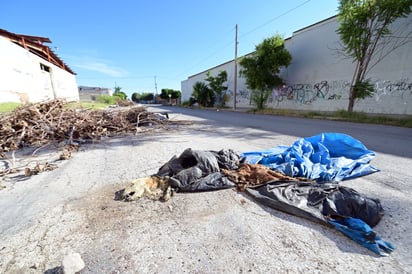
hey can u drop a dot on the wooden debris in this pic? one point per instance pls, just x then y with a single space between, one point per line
51 121
38 168
67 152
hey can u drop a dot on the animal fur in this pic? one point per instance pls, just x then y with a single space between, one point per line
253 175
152 187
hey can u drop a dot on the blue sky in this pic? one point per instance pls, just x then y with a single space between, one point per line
135 43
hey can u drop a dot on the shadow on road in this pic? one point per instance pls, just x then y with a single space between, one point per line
379 138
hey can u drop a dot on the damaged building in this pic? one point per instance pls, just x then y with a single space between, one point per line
32 72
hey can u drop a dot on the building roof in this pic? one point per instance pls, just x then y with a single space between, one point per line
35 44
316 24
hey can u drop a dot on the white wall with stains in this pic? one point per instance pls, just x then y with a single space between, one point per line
26 77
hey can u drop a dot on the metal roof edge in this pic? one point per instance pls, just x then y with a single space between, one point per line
35 45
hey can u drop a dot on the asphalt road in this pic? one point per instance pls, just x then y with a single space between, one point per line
72 208
379 138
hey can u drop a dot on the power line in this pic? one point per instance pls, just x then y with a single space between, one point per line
249 32
275 18
206 58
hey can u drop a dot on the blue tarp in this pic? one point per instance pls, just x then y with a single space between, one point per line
362 233
323 157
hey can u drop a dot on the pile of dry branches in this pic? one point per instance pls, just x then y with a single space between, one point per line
42 123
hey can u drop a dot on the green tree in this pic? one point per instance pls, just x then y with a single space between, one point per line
216 84
145 96
119 93
203 95
136 97
174 94
364 31
262 67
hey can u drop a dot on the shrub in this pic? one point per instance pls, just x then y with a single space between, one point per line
107 99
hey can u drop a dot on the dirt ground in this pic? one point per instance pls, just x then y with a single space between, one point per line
72 209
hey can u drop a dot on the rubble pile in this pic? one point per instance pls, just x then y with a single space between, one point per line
42 123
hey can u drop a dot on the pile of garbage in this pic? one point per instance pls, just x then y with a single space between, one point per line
52 121
302 180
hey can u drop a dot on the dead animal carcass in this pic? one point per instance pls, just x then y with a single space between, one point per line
152 187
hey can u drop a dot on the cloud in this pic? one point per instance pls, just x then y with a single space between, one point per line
102 68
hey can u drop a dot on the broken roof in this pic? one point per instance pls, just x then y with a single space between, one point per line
35 44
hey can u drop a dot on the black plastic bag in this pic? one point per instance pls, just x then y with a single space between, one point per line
318 202
197 170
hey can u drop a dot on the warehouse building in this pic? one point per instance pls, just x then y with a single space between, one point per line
319 76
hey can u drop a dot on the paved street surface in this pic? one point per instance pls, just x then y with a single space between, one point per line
72 208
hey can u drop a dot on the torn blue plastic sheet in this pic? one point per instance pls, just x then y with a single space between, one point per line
362 233
323 157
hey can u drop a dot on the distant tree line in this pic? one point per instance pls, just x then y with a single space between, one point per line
165 94
142 97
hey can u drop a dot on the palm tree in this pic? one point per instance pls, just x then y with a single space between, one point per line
203 94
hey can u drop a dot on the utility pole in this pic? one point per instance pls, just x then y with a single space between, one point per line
155 89
235 82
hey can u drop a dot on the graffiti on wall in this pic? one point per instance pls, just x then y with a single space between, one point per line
308 93
242 95
398 88
300 93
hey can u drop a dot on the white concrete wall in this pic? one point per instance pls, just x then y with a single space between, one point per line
319 78
23 80
229 67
